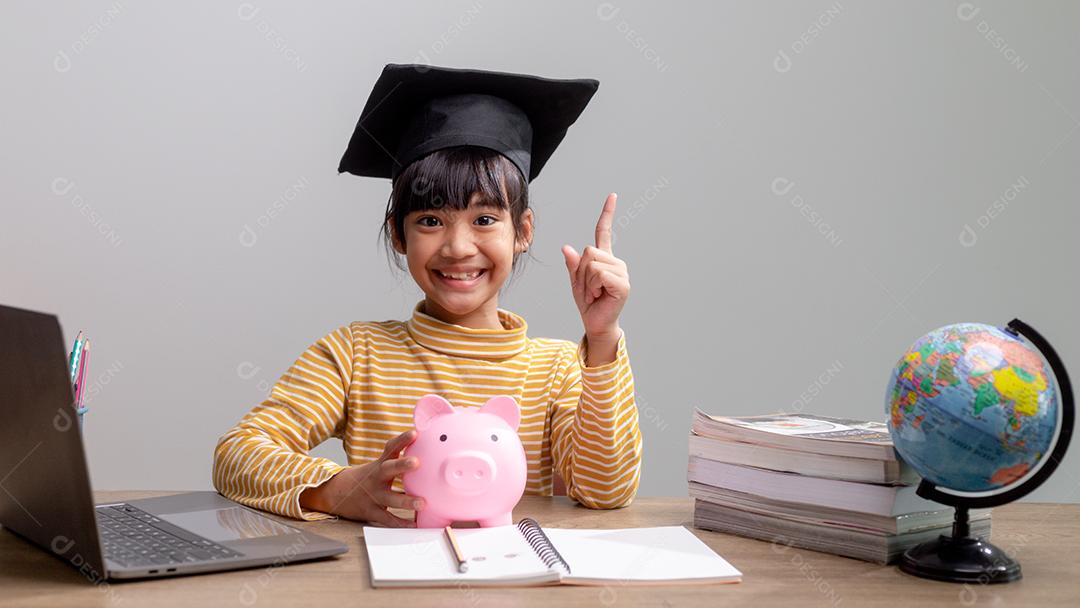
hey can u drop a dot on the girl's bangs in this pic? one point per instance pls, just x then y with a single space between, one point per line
447 179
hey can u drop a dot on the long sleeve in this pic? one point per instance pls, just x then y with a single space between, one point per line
596 441
263 461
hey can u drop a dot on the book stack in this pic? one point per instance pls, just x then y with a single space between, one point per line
814 482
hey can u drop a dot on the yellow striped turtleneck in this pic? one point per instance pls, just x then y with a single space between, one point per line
360 383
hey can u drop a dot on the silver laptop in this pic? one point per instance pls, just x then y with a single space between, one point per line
45 494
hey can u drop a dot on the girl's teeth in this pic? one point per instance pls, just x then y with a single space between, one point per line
461 277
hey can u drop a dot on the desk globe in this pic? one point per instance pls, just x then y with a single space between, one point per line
974 410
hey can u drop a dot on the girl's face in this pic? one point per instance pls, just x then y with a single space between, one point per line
461 258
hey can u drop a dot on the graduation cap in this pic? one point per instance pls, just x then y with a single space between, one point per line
417 109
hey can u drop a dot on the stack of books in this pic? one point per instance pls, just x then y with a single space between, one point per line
815 482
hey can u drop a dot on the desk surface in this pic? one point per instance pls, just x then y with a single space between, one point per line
1043 537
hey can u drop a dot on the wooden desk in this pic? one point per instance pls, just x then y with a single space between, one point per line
1044 537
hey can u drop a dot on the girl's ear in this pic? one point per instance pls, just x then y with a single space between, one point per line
395 239
526 232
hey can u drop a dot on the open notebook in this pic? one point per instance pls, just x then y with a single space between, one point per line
526 554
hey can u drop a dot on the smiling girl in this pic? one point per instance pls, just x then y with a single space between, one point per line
466 145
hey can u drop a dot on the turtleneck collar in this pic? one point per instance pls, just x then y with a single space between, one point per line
460 341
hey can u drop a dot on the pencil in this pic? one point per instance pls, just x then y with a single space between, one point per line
71 358
80 379
75 354
462 563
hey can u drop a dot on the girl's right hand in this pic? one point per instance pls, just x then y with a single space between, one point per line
363 492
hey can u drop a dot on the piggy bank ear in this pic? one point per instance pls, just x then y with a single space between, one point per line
504 407
429 407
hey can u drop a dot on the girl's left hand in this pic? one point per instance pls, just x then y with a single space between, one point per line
599 280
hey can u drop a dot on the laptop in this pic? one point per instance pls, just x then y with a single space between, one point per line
45 494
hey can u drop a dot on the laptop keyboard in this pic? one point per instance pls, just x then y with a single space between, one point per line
132 537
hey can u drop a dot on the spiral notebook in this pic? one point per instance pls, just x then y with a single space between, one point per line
526 554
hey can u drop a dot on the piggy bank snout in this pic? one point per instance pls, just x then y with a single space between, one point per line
469 472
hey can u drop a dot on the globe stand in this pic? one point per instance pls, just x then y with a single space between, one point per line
962 558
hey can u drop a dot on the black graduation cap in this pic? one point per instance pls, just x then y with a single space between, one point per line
417 109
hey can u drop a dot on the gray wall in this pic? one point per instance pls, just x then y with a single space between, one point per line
795 180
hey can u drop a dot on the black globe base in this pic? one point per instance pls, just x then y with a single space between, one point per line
960 560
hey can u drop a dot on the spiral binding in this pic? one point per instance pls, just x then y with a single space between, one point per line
541 544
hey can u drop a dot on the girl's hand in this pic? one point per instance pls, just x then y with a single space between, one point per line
599 281
362 492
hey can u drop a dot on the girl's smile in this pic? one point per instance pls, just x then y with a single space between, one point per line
460 279
463 279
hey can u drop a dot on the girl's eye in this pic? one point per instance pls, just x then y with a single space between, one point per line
491 219
424 221
442 437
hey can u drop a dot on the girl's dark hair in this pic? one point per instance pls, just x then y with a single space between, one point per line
448 179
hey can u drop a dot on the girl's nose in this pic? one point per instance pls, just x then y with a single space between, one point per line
459 243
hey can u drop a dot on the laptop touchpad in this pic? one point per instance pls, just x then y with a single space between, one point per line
234 523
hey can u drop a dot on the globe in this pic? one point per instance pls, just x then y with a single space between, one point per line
974 410
971 407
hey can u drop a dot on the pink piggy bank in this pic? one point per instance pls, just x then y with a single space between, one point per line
472 463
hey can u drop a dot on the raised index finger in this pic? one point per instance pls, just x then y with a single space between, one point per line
603 225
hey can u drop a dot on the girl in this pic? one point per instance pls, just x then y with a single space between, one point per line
459 214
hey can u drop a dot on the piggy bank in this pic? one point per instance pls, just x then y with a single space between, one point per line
472 463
